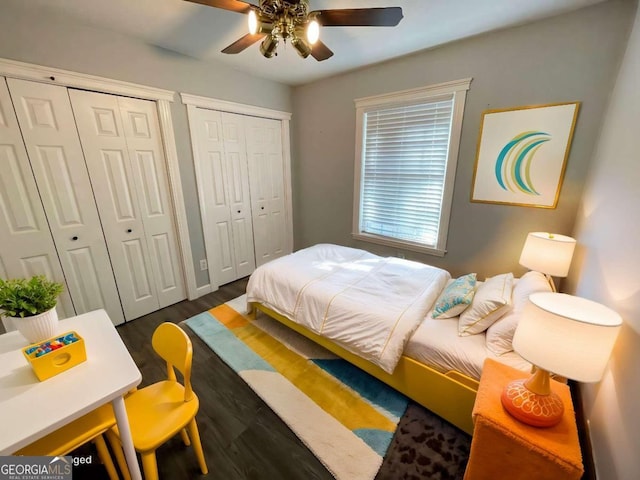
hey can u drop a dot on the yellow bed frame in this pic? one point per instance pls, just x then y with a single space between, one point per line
450 395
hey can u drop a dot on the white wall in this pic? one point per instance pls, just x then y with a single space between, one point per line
607 269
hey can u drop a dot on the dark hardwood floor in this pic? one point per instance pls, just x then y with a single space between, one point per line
242 438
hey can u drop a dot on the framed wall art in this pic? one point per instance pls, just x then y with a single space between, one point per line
522 154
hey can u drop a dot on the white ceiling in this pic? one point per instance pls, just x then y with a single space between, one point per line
201 32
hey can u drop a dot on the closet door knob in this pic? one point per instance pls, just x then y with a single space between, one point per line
74 238
129 230
239 211
261 208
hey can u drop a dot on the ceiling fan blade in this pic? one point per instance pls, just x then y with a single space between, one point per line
360 17
243 42
232 5
320 51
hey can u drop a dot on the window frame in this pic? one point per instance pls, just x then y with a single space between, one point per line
456 90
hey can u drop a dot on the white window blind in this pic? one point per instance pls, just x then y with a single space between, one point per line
404 163
406 155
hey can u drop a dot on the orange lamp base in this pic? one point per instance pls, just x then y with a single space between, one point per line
538 410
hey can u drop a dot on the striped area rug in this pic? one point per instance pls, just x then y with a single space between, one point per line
346 417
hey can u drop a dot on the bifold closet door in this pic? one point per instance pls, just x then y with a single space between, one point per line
26 245
266 174
223 187
123 151
49 132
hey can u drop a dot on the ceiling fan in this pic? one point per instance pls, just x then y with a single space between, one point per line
273 21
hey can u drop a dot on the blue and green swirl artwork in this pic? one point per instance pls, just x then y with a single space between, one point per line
513 165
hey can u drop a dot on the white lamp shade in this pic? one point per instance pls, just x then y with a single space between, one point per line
548 253
567 335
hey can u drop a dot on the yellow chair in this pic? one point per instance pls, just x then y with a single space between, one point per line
89 427
160 411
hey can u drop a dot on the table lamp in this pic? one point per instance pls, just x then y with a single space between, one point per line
564 334
548 253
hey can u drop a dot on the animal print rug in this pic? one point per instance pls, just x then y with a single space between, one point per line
425 447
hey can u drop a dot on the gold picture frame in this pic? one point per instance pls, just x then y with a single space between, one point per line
522 154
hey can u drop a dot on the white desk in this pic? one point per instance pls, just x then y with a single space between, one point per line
30 409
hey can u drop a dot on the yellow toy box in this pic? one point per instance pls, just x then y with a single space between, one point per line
55 355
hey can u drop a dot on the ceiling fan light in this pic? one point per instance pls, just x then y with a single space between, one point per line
268 46
302 47
313 31
252 22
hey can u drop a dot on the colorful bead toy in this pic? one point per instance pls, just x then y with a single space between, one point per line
50 345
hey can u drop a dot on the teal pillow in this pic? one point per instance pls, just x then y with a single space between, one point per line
456 297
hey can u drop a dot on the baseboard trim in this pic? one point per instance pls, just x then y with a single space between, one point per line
203 290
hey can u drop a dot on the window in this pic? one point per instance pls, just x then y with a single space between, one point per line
406 154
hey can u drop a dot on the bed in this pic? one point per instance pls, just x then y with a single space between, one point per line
376 312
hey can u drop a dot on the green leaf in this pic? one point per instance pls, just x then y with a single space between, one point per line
24 298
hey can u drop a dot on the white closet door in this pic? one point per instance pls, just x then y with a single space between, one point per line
144 143
223 187
49 131
266 173
238 189
27 247
122 145
107 159
214 203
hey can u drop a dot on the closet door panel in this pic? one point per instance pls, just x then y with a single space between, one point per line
134 254
239 195
107 160
245 256
124 231
163 248
82 270
48 128
240 218
144 144
212 187
223 187
225 258
27 247
266 174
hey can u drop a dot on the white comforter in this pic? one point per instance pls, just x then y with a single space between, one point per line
367 304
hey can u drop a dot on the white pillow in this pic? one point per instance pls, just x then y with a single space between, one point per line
491 301
500 334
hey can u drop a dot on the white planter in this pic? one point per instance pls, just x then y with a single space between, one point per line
38 327
7 323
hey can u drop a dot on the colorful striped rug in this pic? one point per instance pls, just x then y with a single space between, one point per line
346 417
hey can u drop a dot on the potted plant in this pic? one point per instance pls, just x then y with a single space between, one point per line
31 305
